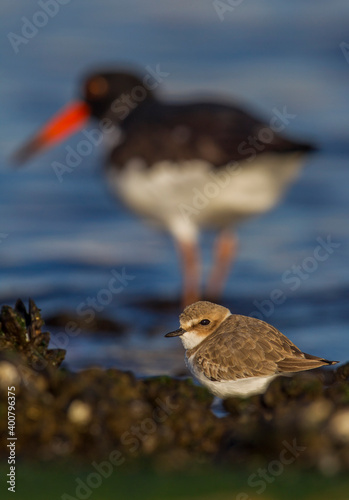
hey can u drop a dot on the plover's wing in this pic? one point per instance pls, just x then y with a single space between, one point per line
211 132
244 347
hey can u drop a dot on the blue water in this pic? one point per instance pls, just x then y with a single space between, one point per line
60 241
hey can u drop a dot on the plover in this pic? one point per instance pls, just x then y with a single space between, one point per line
235 355
183 166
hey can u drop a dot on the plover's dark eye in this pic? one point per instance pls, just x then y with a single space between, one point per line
205 322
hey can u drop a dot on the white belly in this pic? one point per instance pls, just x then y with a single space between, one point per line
242 388
184 196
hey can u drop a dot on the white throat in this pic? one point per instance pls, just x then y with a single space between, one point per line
191 339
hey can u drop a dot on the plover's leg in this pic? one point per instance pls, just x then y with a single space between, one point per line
190 260
224 253
217 408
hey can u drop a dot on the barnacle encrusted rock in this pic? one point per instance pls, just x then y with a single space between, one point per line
20 331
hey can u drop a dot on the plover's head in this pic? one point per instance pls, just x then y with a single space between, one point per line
198 321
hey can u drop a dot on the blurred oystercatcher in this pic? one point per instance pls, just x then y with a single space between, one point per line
184 166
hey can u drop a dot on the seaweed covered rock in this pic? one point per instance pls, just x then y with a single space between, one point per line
91 413
94 413
20 331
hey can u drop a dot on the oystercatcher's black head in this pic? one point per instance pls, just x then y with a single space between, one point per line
114 93
104 94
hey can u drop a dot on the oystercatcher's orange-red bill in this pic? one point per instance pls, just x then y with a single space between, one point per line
67 121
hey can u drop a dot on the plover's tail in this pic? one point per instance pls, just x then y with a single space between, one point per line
322 360
298 364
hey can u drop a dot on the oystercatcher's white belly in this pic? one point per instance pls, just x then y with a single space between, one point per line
190 194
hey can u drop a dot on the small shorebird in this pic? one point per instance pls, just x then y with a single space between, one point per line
235 355
183 166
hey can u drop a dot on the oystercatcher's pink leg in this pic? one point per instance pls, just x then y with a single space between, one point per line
224 253
191 265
